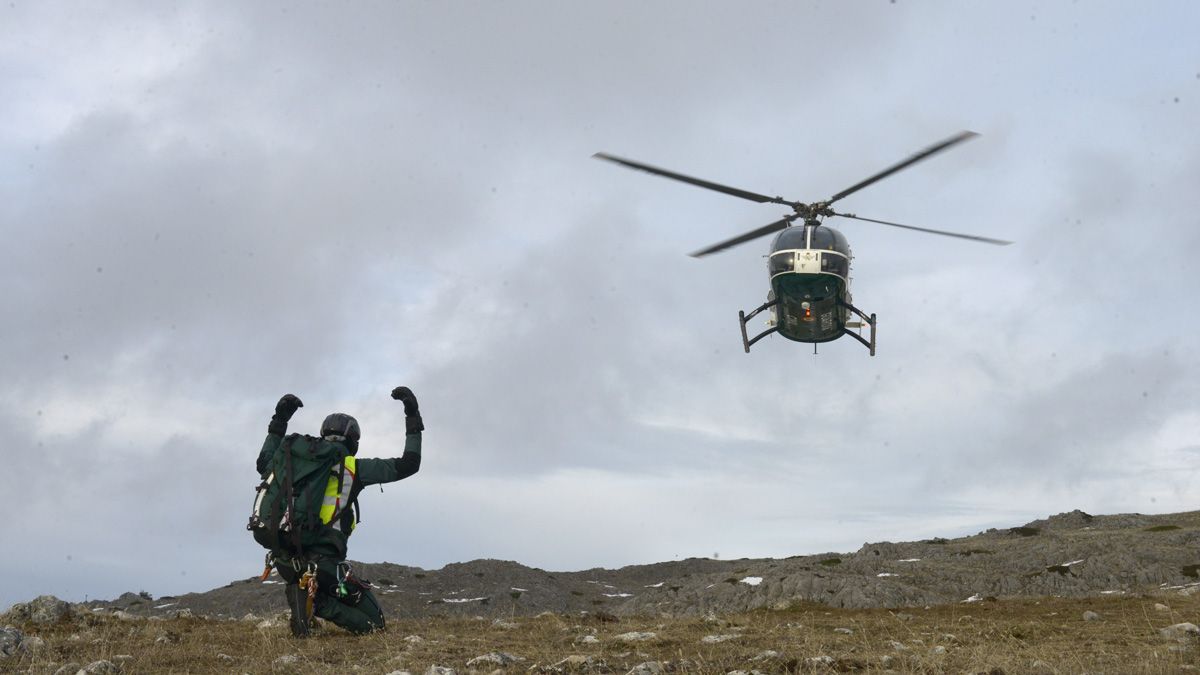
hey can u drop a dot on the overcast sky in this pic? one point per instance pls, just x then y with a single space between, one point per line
207 205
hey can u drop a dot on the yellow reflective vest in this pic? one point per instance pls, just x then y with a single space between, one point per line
337 495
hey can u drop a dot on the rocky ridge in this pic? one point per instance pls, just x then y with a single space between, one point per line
1070 555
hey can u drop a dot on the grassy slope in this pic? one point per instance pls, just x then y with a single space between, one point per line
1009 635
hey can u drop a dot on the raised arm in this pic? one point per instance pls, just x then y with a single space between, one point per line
287 406
371 471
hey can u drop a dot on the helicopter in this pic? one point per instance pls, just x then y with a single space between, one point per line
809 266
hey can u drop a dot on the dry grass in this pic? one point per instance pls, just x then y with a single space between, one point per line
1009 636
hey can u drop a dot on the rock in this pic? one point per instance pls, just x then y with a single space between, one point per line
123 657
579 661
1091 616
938 650
268 623
399 672
1159 607
589 640
493 658
897 646
766 655
440 670
101 668
42 610
647 668
504 625
286 660
250 617
32 644
843 631
903 616
636 636
68 669
225 658
129 599
10 641
819 661
714 639
1181 631
49 609
414 639
125 616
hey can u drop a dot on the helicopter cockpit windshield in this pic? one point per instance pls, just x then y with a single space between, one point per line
823 250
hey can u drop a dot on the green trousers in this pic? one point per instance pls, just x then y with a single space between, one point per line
341 597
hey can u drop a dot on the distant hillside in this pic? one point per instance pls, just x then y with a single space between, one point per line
1070 555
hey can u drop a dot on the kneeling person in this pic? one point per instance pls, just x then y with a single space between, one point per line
307 507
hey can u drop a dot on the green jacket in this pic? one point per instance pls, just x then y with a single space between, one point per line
370 471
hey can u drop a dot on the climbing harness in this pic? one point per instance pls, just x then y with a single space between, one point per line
308 581
267 566
348 585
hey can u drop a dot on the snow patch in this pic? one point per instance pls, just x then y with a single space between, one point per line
752 581
887 574
974 598
617 595
461 600
169 604
658 585
519 590
1073 562
910 560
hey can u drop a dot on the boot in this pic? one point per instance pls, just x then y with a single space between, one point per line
297 599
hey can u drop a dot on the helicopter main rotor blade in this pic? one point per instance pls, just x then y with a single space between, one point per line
927 152
972 237
736 192
743 238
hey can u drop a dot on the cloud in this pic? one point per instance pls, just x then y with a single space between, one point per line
206 207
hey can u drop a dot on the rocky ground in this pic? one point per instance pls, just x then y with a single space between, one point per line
1069 555
1111 634
1071 593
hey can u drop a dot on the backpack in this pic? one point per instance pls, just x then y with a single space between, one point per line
300 503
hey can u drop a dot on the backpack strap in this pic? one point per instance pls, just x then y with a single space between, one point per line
289 495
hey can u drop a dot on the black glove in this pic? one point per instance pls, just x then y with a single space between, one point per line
412 422
405 396
283 412
287 406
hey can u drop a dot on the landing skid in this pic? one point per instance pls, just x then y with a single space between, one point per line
744 317
869 320
747 341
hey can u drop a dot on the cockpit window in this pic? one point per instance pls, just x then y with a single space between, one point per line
829 239
784 261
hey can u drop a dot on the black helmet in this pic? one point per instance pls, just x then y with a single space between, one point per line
342 427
